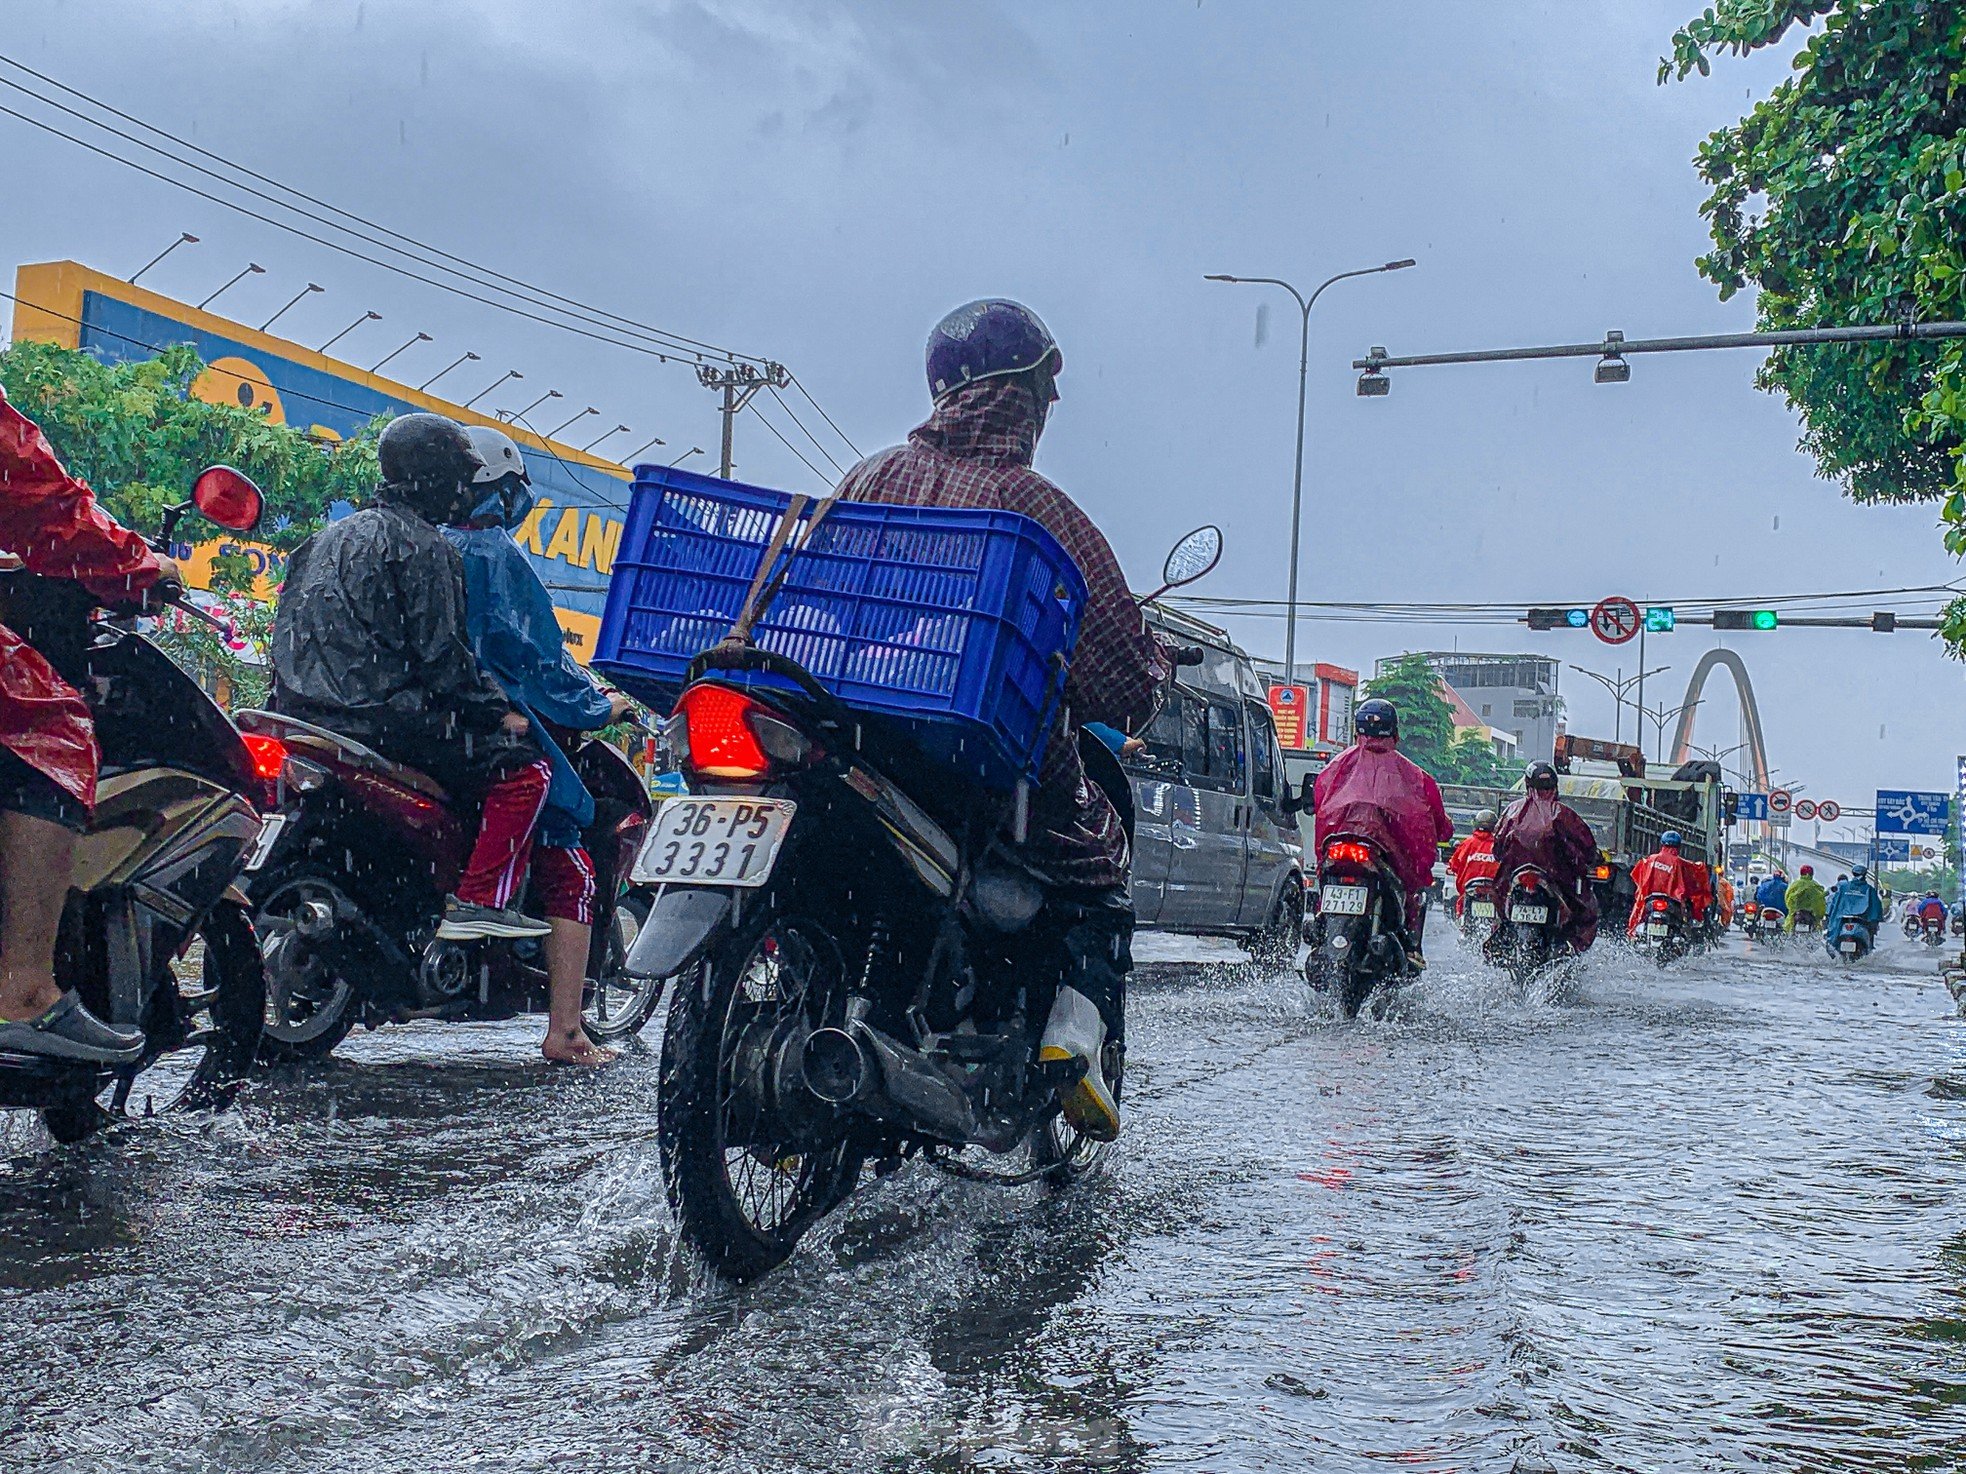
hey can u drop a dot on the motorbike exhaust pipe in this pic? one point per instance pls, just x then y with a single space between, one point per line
836 1067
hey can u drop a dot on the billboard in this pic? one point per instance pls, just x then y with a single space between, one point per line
571 536
1288 705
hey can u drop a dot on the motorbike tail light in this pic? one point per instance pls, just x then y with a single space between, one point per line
729 735
1348 852
269 755
1531 882
1658 903
1603 872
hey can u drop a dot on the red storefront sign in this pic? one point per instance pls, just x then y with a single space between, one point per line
1290 707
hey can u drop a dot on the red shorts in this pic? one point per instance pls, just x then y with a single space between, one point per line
563 882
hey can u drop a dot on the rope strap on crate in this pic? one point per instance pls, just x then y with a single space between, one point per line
758 598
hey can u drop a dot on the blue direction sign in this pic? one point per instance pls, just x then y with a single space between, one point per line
1893 849
1902 811
1751 806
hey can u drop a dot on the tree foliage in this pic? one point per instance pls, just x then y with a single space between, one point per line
1841 198
132 431
1426 727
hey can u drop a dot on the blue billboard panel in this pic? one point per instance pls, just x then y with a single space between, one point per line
1906 811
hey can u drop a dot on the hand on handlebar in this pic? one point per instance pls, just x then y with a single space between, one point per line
620 709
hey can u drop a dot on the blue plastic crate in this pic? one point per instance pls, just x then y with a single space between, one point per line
956 623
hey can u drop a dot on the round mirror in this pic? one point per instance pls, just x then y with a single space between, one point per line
227 497
1193 556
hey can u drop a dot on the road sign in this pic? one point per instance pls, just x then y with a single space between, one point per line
1805 809
1751 807
1829 811
1288 707
1615 620
1893 847
1905 811
1659 618
1780 802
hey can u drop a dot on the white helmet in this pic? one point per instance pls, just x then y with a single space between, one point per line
498 452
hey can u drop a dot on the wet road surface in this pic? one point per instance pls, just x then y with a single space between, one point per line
1712 1218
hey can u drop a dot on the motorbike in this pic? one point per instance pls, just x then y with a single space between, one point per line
1478 907
154 935
1765 925
1528 936
1665 929
348 891
1913 926
1852 940
1932 931
1357 934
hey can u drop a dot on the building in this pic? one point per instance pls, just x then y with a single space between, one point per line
1515 696
571 535
1503 744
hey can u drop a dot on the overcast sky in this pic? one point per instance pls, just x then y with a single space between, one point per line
820 181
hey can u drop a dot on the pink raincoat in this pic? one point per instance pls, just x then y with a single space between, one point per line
1541 830
1373 792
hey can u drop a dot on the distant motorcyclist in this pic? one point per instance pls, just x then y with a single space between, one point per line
1373 791
992 372
516 636
1723 900
1805 898
370 641
1932 908
51 527
1666 872
1855 899
1773 893
1541 830
1473 858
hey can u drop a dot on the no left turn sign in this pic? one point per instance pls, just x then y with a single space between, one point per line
1615 620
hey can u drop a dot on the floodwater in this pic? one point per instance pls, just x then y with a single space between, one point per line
1710 1218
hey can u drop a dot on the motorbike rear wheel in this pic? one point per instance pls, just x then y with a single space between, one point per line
1060 1147
744 1189
309 1008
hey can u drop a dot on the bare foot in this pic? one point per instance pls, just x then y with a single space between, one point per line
576 1048
26 994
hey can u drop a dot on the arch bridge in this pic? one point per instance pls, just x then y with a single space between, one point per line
1757 746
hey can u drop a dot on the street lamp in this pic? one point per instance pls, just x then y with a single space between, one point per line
589 446
304 291
365 317
185 239
508 374
629 459
419 338
590 410
252 268
518 416
1304 306
467 358
1617 688
694 450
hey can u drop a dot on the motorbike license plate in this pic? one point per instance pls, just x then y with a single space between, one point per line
1533 915
1342 900
714 841
1482 910
269 835
1850 948
1657 929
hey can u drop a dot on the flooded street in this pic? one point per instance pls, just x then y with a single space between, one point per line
1711 1218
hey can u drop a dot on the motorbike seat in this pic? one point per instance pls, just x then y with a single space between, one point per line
334 747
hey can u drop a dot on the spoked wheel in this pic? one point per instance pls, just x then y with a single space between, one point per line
309 1007
1066 1153
744 1180
615 1005
201 1032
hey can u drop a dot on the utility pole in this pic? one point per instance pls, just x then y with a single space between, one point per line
739 382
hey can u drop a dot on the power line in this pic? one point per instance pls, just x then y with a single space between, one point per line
838 469
858 453
681 345
752 405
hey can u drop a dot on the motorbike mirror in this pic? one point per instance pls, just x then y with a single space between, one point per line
228 497
1192 557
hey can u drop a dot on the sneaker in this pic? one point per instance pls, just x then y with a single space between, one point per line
1076 1033
465 922
68 1031
1415 961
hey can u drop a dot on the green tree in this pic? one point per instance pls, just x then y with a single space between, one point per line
1426 721
1841 198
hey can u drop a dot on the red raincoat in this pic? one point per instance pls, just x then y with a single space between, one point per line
1539 829
50 522
1473 859
1668 873
1372 791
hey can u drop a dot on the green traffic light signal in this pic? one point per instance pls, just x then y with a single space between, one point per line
1765 619
1746 619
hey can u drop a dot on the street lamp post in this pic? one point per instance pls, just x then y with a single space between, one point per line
1617 688
589 446
1304 306
419 338
305 291
518 416
185 238
502 378
583 414
365 317
467 358
251 268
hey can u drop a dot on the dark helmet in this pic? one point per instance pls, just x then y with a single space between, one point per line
1808 869
1486 820
429 460
985 340
1669 840
1540 777
1857 872
1376 718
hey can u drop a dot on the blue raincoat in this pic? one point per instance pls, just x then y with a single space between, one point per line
1854 898
512 628
1773 893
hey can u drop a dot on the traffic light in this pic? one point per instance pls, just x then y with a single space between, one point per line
1659 618
1559 619
1746 619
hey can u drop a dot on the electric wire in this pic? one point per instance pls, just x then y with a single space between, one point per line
752 405
838 469
857 451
